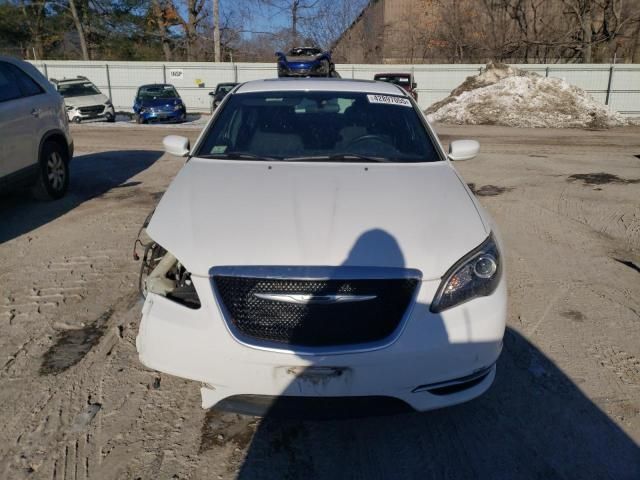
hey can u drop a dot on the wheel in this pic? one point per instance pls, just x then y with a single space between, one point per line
111 118
139 119
53 179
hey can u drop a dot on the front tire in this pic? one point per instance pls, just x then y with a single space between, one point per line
53 178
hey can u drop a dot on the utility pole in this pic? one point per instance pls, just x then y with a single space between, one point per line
216 30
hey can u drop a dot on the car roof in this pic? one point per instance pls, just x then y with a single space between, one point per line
10 59
393 74
32 71
77 79
320 85
156 85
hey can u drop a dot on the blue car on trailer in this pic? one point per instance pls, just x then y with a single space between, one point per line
305 62
159 102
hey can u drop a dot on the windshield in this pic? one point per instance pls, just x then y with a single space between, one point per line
224 88
304 52
329 126
157 91
402 81
77 89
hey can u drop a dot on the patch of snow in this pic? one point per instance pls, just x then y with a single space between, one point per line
503 95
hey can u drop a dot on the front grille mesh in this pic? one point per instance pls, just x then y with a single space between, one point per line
92 110
315 325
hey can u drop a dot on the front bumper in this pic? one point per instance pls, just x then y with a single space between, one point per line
164 116
432 350
108 112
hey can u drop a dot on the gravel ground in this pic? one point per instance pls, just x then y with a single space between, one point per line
77 404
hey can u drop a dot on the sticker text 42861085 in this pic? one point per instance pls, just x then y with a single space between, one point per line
389 100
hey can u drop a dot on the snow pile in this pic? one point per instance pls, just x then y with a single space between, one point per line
503 95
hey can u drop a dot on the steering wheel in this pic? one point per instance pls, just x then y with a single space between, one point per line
365 138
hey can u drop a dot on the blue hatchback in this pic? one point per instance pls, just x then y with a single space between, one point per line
159 102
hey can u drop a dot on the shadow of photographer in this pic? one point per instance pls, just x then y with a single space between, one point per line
534 422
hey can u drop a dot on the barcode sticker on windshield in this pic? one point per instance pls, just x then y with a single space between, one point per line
389 100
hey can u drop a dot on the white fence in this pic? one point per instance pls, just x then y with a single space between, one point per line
615 85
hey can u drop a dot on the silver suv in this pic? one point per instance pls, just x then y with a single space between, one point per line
84 100
35 144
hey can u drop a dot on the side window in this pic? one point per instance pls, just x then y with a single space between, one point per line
27 85
9 89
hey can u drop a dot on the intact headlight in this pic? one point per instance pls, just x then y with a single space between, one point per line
177 107
477 274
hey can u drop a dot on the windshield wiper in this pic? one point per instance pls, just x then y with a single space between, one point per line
239 156
338 157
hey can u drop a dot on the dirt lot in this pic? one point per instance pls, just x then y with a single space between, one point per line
77 404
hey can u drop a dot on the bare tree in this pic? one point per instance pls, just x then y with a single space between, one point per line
296 10
195 16
162 14
33 13
329 20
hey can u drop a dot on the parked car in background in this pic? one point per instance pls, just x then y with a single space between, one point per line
159 102
404 80
84 100
220 92
318 244
35 144
305 62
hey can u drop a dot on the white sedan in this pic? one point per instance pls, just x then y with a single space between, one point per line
319 244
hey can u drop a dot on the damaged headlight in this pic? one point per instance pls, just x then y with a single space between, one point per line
163 274
477 274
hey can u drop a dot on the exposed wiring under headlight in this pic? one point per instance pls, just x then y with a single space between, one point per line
163 274
477 274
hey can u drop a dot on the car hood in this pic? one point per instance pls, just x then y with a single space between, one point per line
160 102
85 100
229 213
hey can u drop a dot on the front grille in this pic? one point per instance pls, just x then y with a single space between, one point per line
162 109
315 324
92 110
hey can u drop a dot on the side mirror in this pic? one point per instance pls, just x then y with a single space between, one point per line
176 145
414 85
463 150
212 93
